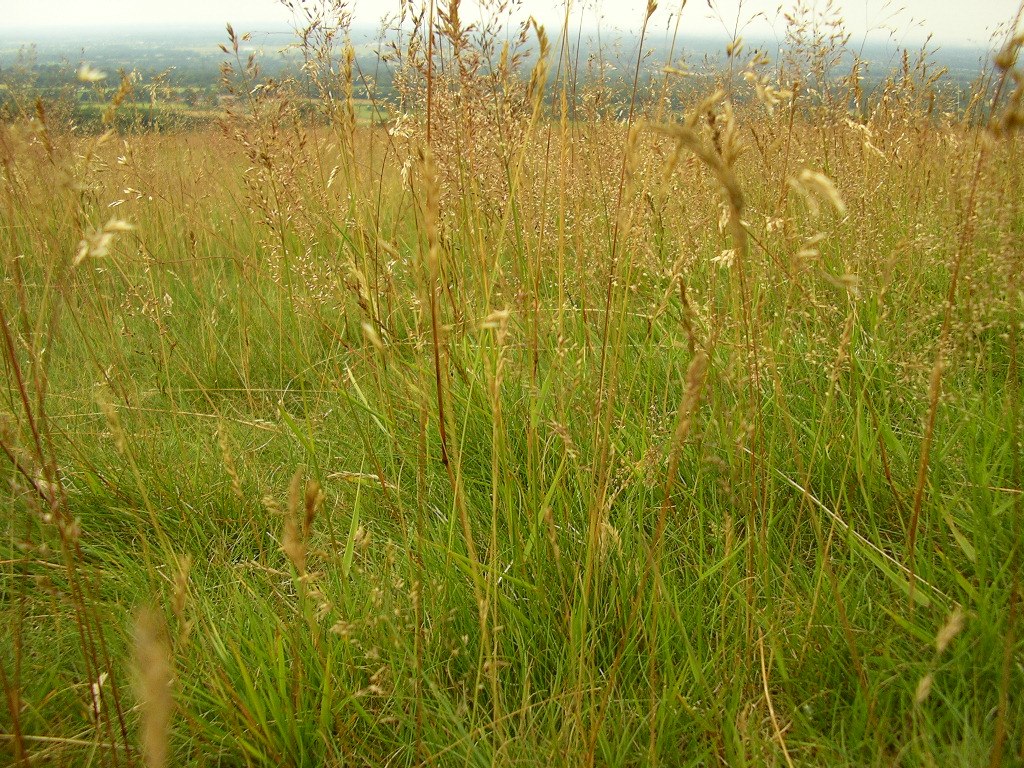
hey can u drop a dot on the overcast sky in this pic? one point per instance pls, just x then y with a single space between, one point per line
951 21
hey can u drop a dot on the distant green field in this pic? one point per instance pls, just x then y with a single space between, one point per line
177 114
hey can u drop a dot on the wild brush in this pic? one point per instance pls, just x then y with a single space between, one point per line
645 413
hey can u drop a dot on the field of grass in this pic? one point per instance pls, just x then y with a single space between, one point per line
527 430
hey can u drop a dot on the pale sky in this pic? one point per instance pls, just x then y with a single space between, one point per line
951 21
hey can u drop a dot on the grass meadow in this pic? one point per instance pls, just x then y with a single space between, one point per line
561 420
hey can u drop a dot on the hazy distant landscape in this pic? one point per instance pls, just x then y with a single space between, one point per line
177 70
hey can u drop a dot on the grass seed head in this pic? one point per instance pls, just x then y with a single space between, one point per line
89 74
109 410
953 626
153 680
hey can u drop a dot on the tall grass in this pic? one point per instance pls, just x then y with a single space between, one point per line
552 422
